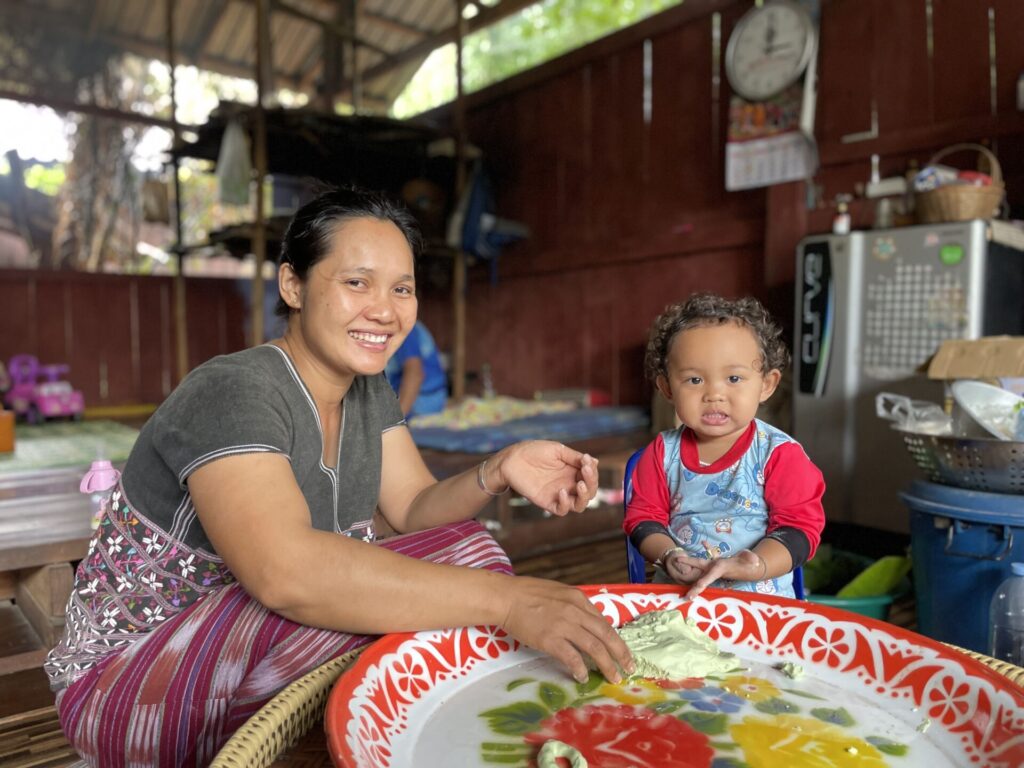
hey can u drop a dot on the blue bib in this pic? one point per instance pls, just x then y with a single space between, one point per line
717 514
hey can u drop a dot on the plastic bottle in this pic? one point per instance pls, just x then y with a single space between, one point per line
841 222
97 482
1006 619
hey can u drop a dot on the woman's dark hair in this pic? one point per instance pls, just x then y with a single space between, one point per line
311 231
705 309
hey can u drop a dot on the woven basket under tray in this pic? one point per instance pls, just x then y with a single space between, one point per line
283 720
995 466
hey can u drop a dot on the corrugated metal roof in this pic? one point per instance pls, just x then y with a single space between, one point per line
394 36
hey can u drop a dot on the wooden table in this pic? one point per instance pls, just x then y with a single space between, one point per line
45 525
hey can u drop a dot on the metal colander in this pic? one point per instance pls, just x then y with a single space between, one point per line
978 464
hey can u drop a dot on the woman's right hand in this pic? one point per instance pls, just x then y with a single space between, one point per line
560 621
550 475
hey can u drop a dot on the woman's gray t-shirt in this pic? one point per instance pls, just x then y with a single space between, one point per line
250 402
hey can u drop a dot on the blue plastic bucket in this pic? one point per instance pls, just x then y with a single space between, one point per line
962 543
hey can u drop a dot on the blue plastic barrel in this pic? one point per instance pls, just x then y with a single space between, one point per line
962 543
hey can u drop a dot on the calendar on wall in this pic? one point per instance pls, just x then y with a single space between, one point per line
770 62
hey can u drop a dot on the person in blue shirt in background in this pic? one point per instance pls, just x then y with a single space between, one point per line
416 375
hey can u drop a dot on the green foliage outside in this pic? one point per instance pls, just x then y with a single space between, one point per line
45 179
537 34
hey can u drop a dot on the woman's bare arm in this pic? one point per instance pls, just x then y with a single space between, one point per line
551 475
258 521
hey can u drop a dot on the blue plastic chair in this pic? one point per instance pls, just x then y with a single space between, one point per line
635 561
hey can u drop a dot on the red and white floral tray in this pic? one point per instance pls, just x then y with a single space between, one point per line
871 695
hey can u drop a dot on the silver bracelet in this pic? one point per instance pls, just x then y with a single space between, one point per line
660 562
480 481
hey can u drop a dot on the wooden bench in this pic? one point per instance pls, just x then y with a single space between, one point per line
34 740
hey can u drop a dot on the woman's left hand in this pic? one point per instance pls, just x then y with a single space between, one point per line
548 474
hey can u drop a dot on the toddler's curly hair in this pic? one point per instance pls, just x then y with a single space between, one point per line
706 309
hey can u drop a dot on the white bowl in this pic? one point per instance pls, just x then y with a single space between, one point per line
995 409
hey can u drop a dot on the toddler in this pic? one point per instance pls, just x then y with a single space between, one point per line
725 499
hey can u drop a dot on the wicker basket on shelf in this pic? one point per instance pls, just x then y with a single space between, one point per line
960 202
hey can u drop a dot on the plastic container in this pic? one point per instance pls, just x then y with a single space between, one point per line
97 482
1006 619
841 222
873 607
830 570
6 431
962 543
985 410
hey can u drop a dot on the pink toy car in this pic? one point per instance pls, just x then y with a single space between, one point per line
40 400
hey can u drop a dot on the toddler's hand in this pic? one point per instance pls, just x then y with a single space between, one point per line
684 569
745 565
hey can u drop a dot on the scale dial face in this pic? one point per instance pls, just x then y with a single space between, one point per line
769 49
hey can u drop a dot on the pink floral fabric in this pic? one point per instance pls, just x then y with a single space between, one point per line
133 579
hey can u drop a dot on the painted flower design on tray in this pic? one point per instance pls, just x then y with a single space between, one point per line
616 734
738 721
813 688
644 692
804 741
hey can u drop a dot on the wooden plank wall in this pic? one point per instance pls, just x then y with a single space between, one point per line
628 214
116 331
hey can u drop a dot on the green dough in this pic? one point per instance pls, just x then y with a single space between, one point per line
791 670
665 646
554 749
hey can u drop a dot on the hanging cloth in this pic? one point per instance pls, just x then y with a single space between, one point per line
234 167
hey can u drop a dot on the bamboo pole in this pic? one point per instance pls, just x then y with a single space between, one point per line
353 46
259 231
459 260
180 307
67 105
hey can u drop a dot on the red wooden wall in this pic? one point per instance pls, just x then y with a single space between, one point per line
627 215
116 331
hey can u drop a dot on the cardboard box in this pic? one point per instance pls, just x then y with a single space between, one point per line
997 360
993 357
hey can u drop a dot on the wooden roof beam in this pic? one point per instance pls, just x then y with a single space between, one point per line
485 18
281 6
94 24
392 24
153 50
63 25
313 66
208 25
377 19
65 105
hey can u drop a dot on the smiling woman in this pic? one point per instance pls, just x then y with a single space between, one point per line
355 293
238 553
